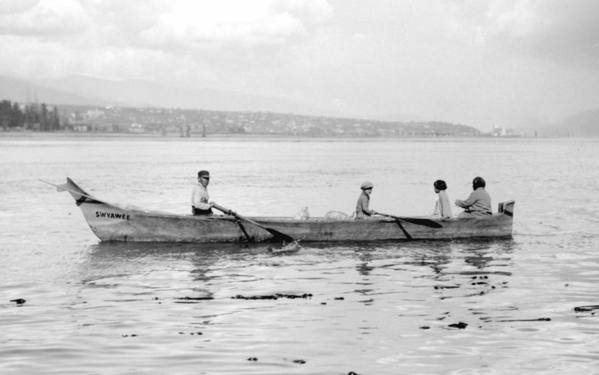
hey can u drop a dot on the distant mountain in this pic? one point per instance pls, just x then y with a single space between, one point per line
82 90
17 90
582 124
585 124
139 93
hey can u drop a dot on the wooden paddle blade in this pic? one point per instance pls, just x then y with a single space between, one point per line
424 222
276 234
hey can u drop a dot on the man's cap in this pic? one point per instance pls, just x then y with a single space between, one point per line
204 174
366 185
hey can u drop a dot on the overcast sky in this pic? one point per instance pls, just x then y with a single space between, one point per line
474 62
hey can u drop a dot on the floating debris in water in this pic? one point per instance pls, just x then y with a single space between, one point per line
339 298
300 361
254 359
424 327
460 325
18 301
586 308
239 296
194 298
274 296
526 320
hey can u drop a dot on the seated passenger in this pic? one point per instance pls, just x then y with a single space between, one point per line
478 203
442 205
362 210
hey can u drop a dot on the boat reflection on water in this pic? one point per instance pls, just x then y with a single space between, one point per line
441 266
241 296
107 259
439 269
442 257
438 255
133 250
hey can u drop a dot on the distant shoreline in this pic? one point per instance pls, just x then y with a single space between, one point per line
93 136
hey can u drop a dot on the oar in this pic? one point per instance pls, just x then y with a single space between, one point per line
274 232
424 222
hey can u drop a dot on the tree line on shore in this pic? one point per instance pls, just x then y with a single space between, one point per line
30 116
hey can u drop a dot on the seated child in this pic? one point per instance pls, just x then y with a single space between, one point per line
442 206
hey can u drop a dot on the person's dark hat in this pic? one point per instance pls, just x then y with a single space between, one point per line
204 174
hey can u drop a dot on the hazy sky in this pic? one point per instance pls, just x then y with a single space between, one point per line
475 62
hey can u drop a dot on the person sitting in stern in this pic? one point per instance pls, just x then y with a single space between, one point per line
362 210
442 206
200 200
478 203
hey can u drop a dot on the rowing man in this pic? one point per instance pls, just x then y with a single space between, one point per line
200 200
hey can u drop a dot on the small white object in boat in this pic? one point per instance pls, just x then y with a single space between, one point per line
336 215
303 214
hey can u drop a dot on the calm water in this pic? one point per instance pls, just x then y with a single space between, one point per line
376 308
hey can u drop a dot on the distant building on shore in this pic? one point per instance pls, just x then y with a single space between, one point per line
502 132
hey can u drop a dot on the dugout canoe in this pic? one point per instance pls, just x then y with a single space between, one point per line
112 222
